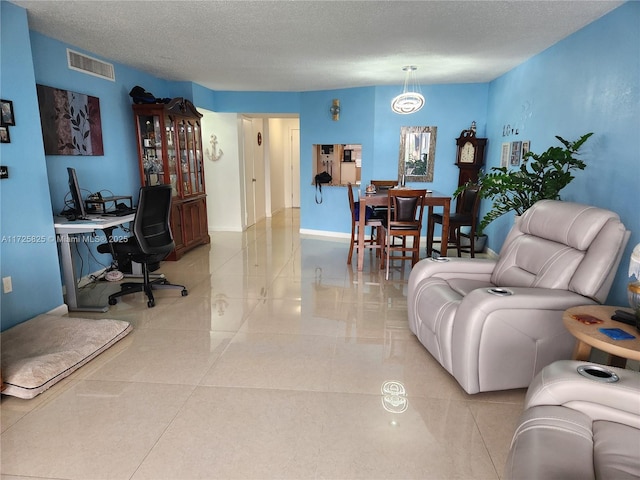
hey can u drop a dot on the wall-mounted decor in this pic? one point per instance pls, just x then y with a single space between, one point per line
417 153
70 122
4 135
516 154
216 152
6 108
504 158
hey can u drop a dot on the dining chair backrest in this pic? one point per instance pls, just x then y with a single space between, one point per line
384 184
469 201
352 203
406 205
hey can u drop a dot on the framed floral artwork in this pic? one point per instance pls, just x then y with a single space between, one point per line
70 122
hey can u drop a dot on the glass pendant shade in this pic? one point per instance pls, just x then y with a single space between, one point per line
410 100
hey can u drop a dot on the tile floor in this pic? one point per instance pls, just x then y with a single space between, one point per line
271 368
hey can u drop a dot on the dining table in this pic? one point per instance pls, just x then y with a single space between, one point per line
431 200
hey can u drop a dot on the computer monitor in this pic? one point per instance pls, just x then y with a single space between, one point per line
76 194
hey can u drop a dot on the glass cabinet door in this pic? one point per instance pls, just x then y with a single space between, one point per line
184 157
152 158
172 166
199 167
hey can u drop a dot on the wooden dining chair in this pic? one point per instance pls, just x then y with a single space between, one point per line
376 222
382 184
466 215
404 221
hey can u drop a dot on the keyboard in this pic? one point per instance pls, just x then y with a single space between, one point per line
120 212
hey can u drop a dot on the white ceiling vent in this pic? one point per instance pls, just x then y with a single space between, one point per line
92 66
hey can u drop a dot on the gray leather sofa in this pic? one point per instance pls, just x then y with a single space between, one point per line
558 255
578 427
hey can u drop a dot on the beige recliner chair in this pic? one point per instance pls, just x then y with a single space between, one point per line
578 426
493 324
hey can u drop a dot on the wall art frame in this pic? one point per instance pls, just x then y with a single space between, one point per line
417 153
6 109
70 122
4 134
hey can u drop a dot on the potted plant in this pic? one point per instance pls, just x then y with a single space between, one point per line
540 176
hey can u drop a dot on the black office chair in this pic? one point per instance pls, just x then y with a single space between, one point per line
151 242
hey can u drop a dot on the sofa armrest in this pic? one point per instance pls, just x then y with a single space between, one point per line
452 267
551 442
561 384
525 326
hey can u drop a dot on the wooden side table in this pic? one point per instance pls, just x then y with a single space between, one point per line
588 336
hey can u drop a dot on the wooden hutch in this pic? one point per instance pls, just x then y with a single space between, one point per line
170 152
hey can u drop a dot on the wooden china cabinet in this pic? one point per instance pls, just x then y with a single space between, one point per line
170 152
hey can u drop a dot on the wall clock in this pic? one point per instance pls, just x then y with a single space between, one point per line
470 155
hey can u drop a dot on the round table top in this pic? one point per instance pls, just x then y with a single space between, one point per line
590 334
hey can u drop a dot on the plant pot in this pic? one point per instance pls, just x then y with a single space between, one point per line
479 245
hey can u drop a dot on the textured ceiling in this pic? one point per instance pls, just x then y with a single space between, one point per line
313 45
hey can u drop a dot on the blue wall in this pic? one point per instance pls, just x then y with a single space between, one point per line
28 252
587 82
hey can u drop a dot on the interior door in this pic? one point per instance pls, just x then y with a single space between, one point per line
260 193
295 168
249 178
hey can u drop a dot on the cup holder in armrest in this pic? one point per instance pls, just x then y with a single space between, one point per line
439 259
501 292
598 373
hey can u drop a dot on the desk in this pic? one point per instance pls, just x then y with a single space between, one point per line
588 336
433 199
64 229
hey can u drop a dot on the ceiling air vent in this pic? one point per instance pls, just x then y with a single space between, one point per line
90 65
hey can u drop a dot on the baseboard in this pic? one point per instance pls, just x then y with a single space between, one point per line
59 311
325 234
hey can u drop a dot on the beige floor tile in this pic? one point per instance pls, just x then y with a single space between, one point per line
287 316
179 357
240 433
431 439
94 430
296 362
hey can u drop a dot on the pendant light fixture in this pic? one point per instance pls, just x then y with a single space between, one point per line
410 100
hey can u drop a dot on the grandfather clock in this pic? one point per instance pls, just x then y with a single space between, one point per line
470 156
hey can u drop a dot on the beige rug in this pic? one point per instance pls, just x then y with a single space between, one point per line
40 352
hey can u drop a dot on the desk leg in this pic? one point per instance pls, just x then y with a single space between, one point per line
445 227
69 276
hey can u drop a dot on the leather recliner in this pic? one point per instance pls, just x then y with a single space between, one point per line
577 427
556 256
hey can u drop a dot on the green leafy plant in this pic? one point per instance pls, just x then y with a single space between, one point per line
540 176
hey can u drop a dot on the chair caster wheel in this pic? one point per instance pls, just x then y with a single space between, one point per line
184 292
151 303
113 301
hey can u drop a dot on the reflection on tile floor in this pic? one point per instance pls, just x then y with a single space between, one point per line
271 368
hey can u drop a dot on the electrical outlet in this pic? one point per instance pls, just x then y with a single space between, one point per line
6 285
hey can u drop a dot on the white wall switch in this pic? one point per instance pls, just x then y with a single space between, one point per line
6 285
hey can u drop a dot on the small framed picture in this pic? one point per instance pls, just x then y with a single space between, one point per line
6 110
504 158
4 134
516 154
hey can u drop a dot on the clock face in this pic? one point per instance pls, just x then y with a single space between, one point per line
467 154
